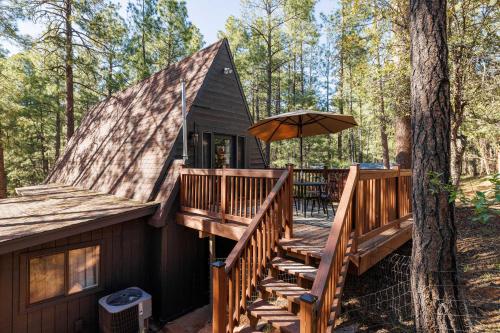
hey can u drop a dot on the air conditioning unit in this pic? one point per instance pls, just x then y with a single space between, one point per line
125 311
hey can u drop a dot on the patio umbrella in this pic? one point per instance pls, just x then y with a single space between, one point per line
299 124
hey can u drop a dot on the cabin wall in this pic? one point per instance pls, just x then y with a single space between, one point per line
181 269
220 108
124 254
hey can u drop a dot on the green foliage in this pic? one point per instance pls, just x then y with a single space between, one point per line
485 203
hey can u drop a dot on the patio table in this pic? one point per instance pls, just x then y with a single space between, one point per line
302 191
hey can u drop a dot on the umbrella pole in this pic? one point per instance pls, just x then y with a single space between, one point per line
301 156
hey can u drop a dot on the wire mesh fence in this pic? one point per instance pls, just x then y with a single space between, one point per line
380 300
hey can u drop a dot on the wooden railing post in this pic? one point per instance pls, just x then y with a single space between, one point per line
289 203
223 196
398 193
356 212
308 313
219 301
182 191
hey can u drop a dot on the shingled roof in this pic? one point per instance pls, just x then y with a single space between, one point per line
123 143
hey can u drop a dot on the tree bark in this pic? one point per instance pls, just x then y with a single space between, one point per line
70 116
57 143
434 275
381 116
269 76
403 141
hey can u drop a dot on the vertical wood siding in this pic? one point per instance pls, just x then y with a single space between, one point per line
124 264
220 107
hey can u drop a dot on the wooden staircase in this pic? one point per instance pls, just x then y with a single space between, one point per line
283 312
292 284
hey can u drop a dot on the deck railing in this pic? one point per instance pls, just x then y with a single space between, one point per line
312 175
235 280
226 194
383 200
372 201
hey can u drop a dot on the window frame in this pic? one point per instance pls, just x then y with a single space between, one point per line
24 278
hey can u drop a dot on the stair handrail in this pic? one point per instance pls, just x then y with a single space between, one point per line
255 247
316 305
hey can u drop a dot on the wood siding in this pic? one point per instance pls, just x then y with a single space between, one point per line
181 269
125 249
220 107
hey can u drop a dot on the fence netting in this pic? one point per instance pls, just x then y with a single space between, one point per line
380 300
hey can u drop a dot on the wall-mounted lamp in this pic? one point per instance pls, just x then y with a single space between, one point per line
194 138
228 70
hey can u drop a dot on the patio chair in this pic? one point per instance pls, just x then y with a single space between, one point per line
330 193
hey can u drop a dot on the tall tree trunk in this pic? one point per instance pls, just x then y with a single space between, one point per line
278 94
403 141
70 116
341 76
302 77
269 77
110 74
58 124
434 273
143 43
381 116
57 141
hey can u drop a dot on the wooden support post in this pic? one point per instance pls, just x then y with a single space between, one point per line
223 196
398 194
182 190
289 203
219 301
356 210
307 313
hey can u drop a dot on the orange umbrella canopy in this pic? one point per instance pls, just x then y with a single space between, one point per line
301 123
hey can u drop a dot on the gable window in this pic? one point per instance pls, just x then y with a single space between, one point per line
62 273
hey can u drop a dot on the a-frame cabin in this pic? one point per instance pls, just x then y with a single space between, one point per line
115 188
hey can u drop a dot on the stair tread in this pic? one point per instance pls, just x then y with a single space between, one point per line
297 246
280 318
290 291
295 268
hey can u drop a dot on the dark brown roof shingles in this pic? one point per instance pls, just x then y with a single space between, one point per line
123 142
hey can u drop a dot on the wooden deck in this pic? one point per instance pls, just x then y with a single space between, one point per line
310 235
256 208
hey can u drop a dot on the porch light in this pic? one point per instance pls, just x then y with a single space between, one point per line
194 138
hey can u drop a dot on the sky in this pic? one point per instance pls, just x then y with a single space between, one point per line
208 15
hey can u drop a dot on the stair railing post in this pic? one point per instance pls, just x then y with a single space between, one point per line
223 195
308 313
219 301
356 213
289 203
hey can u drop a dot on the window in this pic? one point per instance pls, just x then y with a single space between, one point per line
224 149
62 273
83 269
46 277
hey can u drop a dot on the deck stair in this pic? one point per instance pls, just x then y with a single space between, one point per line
288 275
